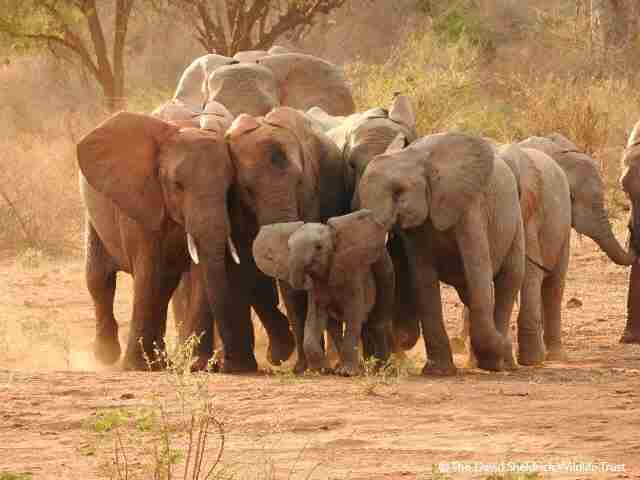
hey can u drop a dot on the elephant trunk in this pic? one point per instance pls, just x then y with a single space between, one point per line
299 261
603 235
207 242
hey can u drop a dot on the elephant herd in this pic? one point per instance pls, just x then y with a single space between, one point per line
259 181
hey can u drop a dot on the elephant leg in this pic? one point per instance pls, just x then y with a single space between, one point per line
264 300
100 273
236 331
152 290
349 357
507 285
296 303
379 324
487 342
315 326
530 344
552 293
405 323
631 332
429 309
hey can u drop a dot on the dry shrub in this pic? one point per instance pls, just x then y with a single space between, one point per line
442 80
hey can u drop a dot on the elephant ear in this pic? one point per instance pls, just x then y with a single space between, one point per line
305 81
401 111
119 158
359 241
528 176
459 167
215 117
271 249
243 123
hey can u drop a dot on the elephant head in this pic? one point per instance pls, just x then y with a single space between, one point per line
161 175
279 160
192 86
305 81
588 212
370 133
244 88
436 178
303 254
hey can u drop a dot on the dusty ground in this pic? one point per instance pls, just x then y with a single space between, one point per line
278 426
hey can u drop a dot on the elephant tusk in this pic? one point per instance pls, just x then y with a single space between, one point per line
193 250
232 249
386 239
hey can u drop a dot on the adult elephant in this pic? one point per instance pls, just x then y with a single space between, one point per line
546 214
630 181
588 212
455 204
286 172
154 192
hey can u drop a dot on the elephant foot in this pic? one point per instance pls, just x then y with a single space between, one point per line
406 340
530 358
107 350
348 370
280 348
246 365
432 369
556 354
300 367
203 363
490 361
630 337
139 363
531 350
458 345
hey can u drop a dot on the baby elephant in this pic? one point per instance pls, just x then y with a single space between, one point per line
342 265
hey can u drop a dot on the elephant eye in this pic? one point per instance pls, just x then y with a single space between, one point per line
179 186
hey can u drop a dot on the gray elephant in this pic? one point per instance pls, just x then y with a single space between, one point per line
588 213
286 172
546 214
292 79
155 195
455 204
334 263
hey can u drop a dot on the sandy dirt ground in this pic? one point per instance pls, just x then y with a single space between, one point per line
585 412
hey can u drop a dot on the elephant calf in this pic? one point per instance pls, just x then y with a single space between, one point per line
334 263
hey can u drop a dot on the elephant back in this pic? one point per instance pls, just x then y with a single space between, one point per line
306 81
244 88
250 56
